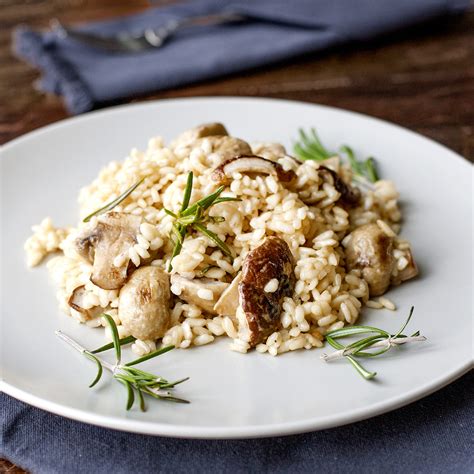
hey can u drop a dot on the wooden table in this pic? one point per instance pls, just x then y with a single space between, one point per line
422 79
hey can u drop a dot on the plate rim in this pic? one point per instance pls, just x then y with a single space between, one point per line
247 431
118 108
244 432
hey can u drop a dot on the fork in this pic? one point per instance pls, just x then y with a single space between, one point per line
149 38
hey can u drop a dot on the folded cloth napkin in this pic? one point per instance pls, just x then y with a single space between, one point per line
434 435
276 30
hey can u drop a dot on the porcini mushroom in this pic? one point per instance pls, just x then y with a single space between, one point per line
350 196
104 238
144 303
251 164
371 250
259 311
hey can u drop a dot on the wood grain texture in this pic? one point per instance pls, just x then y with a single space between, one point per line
422 78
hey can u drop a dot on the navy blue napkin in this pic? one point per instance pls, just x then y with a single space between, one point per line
278 29
434 435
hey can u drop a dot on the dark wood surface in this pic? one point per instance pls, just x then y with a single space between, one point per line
422 78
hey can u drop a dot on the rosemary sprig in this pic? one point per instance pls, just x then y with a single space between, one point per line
309 147
364 169
376 338
110 345
136 381
194 217
108 207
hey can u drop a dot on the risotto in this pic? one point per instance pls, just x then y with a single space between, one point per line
288 251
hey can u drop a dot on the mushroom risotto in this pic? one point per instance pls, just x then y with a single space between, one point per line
219 237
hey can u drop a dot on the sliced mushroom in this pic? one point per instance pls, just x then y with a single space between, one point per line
144 303
201 131
251 164
371 251
76 302
259 312
202 292
228 302
350 196
105 238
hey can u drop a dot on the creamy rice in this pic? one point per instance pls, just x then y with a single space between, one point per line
307 216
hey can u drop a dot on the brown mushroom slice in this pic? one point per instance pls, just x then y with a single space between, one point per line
350 196
144 303
371 251
110 235
201 131
76 302
228 302
259 312
202 292
251 164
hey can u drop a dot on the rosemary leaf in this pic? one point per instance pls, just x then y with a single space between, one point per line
203 203
144 375
371 170
177 232
226 199
130 395
110 345
187 192
177 246
405 324
115 336
99 367
114 203
222 246
172 214
151 355
355 165
141 400
173 384
362 371
304 155
365 373
164 397
354 330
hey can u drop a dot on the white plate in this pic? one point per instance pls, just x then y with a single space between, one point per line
236 395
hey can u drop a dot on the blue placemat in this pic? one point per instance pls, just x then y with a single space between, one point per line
276 30
433 435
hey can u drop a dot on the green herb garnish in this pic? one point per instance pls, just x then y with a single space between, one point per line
377 338
194 217
115 202
136 381
309 147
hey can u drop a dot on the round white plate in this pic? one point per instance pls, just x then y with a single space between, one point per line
234 395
